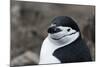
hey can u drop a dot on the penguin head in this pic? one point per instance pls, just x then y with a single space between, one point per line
63 28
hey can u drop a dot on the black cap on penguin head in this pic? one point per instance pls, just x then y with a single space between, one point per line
65 21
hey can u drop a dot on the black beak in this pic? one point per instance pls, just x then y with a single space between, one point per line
53 30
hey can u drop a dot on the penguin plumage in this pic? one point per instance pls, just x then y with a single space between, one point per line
64 43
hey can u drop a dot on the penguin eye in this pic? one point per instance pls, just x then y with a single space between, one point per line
68 30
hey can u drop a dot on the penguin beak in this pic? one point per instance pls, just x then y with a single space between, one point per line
53 30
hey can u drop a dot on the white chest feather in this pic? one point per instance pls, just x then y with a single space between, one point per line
46 54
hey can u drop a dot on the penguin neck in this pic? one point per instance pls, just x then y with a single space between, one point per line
65 41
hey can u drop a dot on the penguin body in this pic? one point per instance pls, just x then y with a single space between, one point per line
64 43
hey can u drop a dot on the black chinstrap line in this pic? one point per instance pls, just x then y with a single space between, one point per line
63 36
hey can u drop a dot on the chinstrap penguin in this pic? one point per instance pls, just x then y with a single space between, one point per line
64 43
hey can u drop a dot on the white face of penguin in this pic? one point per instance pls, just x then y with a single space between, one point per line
65 35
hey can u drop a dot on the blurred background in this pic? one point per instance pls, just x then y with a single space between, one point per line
30 21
